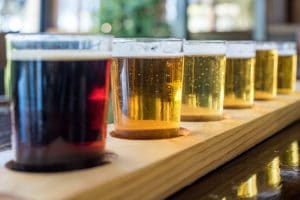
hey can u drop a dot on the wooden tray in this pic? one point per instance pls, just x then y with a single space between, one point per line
154 169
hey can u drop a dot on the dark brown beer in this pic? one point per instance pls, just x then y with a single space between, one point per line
59 108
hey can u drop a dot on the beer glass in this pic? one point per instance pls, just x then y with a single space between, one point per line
58 87
239 76
203 85
266 71
146 87
287 67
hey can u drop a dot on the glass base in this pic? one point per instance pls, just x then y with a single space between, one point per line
245 106
101 160
285 91
150 134
258 95
202 118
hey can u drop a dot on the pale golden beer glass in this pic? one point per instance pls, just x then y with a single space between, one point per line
239 76
146 87
203 85
266 71
287 67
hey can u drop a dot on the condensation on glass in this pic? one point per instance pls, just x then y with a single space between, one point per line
239 76
287 67
266 69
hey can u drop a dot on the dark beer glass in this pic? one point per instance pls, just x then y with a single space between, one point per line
146 87
58 87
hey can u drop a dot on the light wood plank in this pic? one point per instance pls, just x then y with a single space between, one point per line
151 169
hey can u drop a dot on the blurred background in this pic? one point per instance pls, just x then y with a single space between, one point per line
190 19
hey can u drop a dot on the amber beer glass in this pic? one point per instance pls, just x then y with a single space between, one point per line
266 71
58 86
287 67
239 78
146 87
203 85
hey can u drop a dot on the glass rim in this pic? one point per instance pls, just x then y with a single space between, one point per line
265 41
286 42
240 48
204 47
20 46
286 48
266 45
273 43
204 42
146 40
147 47
283 45
240 42
54 37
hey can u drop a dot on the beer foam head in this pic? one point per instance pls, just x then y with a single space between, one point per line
198 47
58 46
286 48
240 49
147 47
57 55
265 45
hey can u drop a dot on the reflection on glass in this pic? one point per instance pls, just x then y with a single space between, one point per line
292 154
248 189
273 172
269 179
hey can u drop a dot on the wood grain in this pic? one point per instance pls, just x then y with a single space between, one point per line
152 169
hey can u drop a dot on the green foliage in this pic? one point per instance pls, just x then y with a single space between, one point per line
134 18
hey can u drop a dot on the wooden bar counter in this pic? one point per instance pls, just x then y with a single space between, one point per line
155 169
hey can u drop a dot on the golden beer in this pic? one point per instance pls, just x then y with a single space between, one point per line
203 87
268 178
266 74
291 155
287 69
248 188
239 82
273 172
146 94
